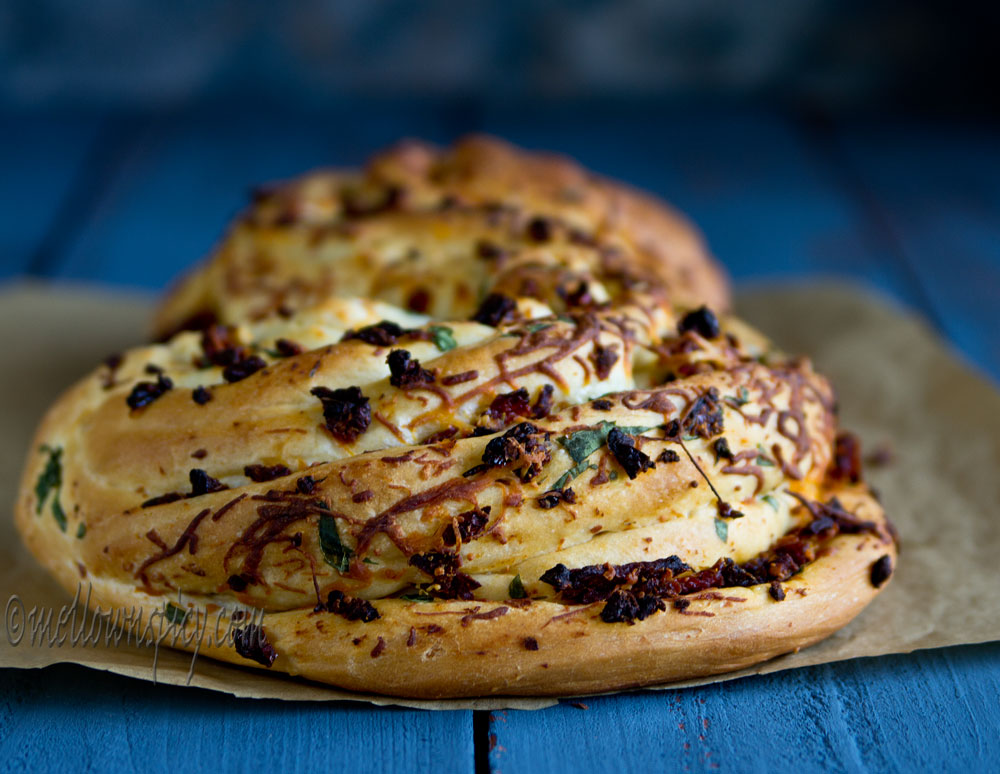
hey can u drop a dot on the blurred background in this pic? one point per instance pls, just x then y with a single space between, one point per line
813 138
837 54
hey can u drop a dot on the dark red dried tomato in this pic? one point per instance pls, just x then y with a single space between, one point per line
881 571
346 410
351 608
449 582
704 417
200 395
251 642
381 334
632 460
470 525
846 465
604 359
259 473
287 348
522 445
506 407
145 393
241 369
702 321
405 372
495 309
539 229
202 483
668 455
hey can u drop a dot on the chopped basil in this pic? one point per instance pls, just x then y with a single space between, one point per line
336 554
367 560
613 475
722 530
58 513
743 397
50 480
442 337
81 530
572 473
175 614
762 459
536 327
583 443
516 588
771 500
417 596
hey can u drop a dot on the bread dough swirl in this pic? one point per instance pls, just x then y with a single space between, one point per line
435 231
557 473
712 421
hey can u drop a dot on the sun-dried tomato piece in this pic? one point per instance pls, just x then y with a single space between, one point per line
351 608
145 393
632 460
381 334
495 309
406 372
346 410
702 321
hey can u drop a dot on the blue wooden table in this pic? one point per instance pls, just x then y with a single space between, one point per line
911 207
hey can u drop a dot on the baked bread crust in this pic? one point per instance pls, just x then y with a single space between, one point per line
664 497
403 231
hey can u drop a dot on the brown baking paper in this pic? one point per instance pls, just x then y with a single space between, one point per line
897 384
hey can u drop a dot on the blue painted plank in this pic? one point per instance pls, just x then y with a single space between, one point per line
920 712
937 190
41 159
769 203
182 180
70 719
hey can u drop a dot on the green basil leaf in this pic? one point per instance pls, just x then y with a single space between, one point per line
50 477
572 473
174 614
442 337
516 588
58 513
762 459
771 500
722 530
336 554
81 530
417 596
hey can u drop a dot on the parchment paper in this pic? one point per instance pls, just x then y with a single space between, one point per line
896 382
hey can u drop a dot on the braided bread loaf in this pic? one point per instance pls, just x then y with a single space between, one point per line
539 500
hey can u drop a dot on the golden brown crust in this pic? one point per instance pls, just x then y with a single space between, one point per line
420 502
590 485
436 230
